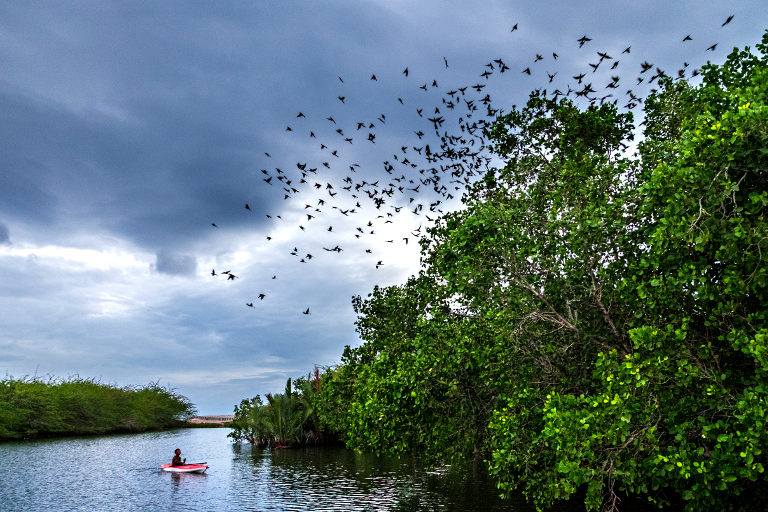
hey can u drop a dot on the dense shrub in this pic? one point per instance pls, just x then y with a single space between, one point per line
32 407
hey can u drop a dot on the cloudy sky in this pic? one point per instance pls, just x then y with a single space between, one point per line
127 129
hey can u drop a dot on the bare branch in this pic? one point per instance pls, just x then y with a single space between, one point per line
557 317
597 293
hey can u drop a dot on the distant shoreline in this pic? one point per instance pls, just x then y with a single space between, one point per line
221 420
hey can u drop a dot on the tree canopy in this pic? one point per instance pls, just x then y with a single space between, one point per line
596 316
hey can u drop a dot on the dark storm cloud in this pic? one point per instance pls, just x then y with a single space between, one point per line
145 122
138 178
175 264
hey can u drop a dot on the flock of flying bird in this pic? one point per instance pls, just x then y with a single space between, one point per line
448 148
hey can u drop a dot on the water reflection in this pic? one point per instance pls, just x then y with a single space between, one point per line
122 472
336 479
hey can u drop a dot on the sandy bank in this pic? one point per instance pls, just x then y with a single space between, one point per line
221 419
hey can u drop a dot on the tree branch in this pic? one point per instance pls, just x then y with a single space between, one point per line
559 319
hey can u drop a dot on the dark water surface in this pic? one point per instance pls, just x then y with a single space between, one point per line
122 473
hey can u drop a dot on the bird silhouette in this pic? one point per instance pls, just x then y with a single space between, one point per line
582 40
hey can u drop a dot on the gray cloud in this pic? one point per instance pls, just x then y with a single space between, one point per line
175 264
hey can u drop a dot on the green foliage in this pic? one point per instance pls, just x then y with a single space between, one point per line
590 320
287 419
684 409
420 384
36 408
251 422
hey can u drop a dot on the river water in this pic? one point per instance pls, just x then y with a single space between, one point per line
122 473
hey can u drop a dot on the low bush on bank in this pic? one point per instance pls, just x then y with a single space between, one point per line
32 407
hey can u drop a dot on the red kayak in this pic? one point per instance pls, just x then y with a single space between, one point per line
188 468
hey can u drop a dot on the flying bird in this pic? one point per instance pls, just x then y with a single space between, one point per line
583 39
727 21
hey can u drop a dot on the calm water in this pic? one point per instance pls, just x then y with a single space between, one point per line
122 473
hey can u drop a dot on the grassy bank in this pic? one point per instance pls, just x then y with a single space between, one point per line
32 407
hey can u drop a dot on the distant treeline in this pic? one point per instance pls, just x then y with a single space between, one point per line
32 407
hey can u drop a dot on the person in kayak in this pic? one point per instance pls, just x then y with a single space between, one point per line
177 461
